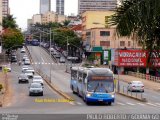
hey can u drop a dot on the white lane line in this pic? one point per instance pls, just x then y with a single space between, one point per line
151 104
141 104
79 103
72 103
120 103
42 59
157 104
130 103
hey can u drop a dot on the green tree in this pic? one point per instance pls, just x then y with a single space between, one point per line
66 22
12 38
9 22
140 19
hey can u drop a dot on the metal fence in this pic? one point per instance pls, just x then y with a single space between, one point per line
144 76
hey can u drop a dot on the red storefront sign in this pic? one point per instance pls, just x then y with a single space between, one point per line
131 58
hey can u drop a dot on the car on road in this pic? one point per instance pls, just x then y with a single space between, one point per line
24 57
135 86
27 62
62 60
24 68
8 67
57 55
28 73
37 79
35 89
23 50
23 78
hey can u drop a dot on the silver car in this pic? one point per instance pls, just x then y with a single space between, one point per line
135 86
35 89
28 73
23 78
62 60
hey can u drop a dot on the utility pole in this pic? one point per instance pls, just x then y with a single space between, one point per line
67 45
50 57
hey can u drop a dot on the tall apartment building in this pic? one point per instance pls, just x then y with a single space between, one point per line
96 5
45 6
60 7
5 8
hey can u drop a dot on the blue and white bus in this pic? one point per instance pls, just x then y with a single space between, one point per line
93 84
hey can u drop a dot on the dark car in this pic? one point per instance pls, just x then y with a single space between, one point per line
13 58
23 78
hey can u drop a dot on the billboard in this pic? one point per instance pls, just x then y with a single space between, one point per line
131 58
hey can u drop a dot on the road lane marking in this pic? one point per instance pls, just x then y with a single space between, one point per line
120 103
141 104
130 103
42 59
157 104
72 103
79 103
151 104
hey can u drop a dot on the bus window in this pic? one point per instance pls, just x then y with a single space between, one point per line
84 77
73 75
80 77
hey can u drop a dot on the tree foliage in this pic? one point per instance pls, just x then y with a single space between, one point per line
12 38
141 19
9 22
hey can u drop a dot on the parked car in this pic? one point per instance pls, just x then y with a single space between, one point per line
27 62
23 78
35 89
62 60
8 67
28 73
37 79
51 49
13 58
135 86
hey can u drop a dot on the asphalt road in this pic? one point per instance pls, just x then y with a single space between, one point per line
62 80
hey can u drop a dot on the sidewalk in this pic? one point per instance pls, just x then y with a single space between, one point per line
147 83
5 95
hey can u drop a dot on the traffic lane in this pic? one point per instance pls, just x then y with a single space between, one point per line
149 94
21 96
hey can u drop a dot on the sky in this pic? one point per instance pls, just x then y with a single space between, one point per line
24 9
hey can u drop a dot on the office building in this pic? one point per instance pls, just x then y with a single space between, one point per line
45 6
96 5
60 7
5 8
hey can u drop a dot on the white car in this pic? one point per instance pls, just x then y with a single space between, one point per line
37 79
62 60
27 62
23 50
28 73
35 89
24 68
24 57
135 86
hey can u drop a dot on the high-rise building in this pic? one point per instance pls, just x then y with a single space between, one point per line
60 7
45 6
96 5
5 8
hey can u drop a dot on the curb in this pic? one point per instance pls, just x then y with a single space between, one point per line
142 100
52 86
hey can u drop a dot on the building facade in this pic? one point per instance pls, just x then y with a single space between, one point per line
36 18
45 6
60 7
94 5
49 17
5 8
95 32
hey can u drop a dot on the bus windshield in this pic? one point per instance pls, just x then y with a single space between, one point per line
106 86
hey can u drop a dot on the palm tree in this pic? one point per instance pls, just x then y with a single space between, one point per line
140 18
